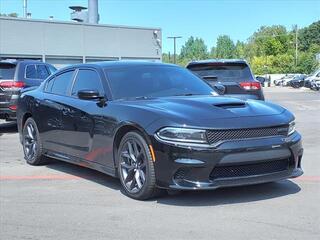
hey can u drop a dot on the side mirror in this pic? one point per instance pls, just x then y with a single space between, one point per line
89 94
219 88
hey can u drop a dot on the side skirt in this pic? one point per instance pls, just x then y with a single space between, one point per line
81 162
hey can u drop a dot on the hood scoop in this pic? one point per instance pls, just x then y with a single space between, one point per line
230 105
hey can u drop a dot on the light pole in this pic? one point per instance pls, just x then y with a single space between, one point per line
174 47
296 43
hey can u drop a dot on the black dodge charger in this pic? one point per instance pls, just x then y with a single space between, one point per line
156 126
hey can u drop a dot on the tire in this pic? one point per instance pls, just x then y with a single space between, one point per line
32 145
136 167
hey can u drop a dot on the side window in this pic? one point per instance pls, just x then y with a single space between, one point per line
50 84
61 83
31 71
42 71
87 80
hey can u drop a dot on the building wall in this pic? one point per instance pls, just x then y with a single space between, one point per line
62 43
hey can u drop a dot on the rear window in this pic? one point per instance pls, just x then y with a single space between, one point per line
223 72
7 71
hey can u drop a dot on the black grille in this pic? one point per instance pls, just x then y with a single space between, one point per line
250 169
181 173
215 136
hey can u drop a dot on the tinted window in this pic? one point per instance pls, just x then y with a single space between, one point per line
7 70
42 72
31 71
87 80
223 72
154 81
61 83
49 85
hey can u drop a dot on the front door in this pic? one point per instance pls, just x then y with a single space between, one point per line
84 126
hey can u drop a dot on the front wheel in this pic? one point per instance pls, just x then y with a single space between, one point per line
136 167
31 142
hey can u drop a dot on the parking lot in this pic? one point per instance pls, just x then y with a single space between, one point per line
63 201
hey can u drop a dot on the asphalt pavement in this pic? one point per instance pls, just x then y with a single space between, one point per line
64 201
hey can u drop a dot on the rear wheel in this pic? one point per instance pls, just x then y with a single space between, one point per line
31 142
136 167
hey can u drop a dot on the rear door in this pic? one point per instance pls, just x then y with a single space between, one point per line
237 78
52 105
31 75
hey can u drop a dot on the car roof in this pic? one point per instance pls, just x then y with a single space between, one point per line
16 61
111 64
215 60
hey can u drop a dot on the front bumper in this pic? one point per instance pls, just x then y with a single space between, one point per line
232 163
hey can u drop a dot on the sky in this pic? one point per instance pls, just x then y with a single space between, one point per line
206 19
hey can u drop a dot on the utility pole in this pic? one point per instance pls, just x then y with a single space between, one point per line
25 8
296 57
174 47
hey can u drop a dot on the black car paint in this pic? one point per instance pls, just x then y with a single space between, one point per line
86 132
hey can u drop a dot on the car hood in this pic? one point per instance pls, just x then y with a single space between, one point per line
190 109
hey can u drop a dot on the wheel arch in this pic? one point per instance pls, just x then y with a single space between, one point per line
23 120
120 132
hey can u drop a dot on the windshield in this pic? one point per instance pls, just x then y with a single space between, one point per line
224 72
155 81
7 71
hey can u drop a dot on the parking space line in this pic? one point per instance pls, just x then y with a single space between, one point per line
309 178
40 177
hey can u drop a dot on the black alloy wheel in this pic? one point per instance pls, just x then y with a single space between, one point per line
31 142
136 167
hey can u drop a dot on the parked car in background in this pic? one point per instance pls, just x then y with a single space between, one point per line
297 81
16 75
157 126
314 76
230 77
283 81
315 84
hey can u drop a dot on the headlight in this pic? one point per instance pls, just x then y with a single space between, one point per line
182 135
292 127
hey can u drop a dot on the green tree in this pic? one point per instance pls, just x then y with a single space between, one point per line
225 47
193 49
9 15
240 51
166 58
271 40
309 35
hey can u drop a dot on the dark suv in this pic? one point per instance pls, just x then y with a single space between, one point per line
231 77
16 75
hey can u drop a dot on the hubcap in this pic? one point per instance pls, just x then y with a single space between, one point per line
30 141
133 166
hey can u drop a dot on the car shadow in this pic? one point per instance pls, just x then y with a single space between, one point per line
85 173
217 197
8 127
232 195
